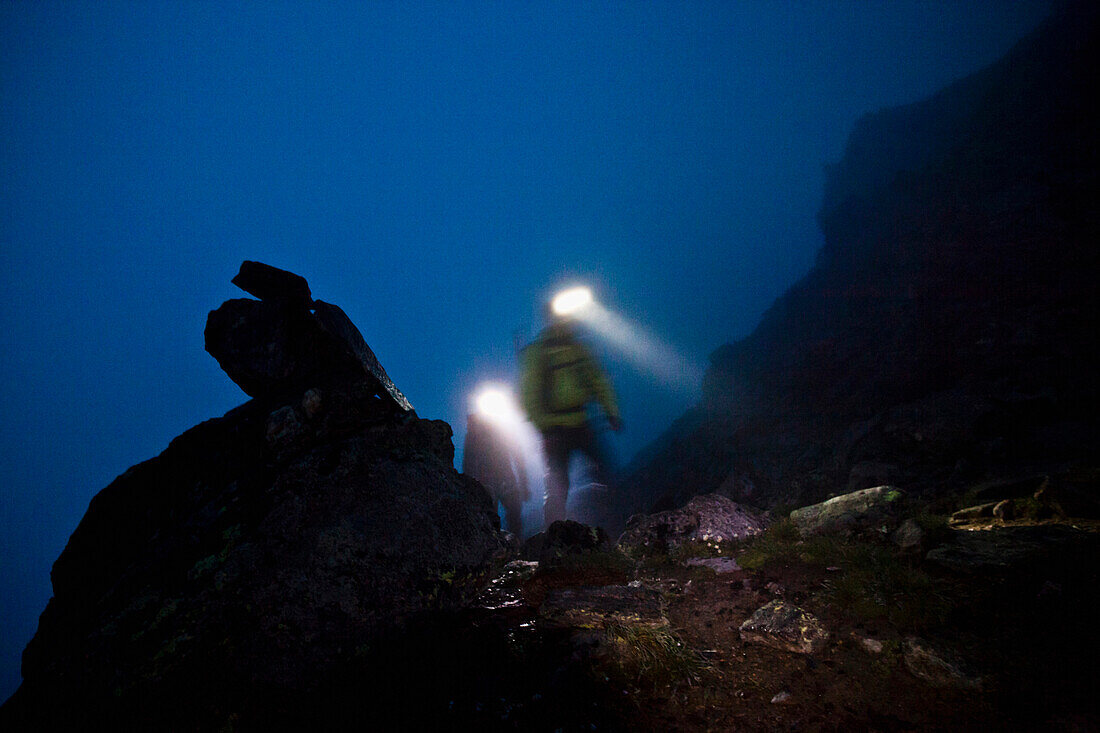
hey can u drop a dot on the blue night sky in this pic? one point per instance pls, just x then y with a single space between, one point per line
435 169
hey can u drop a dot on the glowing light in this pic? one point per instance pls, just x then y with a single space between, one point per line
644 350
572 301
495 404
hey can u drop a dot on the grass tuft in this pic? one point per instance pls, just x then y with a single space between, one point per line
642 656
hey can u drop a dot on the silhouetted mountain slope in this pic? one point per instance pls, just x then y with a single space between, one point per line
948 330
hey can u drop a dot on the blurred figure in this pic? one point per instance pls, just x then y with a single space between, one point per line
491 456
560 379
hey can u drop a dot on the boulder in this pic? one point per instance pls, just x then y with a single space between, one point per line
706 519
784 626
874 509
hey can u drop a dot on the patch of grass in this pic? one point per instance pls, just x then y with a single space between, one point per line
875 583
642 656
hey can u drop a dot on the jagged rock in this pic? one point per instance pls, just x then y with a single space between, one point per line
869 509
706 519
785 626
271 283
938 667
277 348
596 607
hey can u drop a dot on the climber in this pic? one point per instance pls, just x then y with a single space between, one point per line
490 455
560 378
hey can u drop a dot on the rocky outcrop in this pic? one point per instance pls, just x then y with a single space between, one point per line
947 334
261 551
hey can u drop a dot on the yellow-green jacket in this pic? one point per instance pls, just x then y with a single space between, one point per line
560 377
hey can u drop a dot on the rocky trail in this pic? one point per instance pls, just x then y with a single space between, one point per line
827 632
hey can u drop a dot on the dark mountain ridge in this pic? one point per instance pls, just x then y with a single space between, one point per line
947 333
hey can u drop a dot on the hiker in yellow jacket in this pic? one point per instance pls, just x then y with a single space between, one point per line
560 379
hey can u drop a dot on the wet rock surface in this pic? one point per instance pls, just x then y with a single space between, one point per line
596 607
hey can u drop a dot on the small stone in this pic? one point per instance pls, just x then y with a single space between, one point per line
782 697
